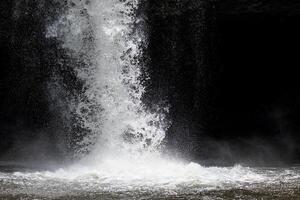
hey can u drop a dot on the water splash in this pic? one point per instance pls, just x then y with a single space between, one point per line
110 107
124 138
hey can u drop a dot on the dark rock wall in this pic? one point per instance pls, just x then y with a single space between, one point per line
29 116
228 70
182 53
257 97
274 7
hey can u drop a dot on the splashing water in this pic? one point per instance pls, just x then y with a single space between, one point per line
111 107
124 139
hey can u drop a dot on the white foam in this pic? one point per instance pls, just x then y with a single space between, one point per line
151 172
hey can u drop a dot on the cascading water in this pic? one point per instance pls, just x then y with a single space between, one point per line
111 107
120 154
122 124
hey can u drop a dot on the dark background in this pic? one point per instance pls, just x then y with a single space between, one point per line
230 72
227 68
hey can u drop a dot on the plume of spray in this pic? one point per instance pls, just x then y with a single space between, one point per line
110 106
123 140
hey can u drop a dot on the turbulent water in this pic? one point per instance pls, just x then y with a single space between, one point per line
117 179
120 155
108 37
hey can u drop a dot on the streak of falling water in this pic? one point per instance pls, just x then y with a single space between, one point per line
111 108
124 122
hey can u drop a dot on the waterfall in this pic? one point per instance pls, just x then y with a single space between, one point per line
123 141
109 38
100 88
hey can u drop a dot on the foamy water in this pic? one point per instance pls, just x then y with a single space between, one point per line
149 179
152 172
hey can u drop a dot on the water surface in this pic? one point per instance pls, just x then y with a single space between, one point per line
176 181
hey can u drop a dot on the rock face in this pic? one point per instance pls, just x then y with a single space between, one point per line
290 7
258 40
230 7
187 43
182 49
28 62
